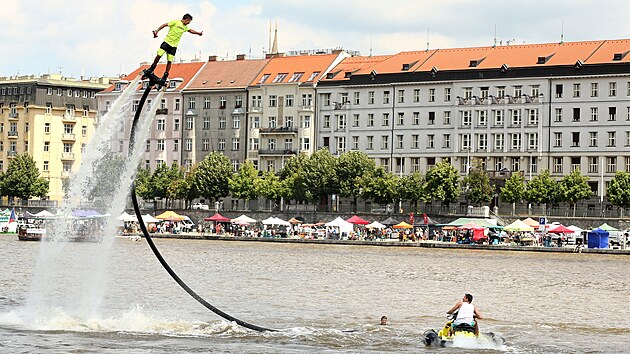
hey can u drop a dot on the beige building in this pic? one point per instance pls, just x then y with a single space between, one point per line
51 118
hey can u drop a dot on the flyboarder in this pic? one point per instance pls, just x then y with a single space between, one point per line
169 46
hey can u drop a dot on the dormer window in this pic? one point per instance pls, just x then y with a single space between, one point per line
475 63
618 56
313 76
263 78
347 74
405 67
280 77
541 60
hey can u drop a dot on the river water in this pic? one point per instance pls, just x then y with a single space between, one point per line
539 302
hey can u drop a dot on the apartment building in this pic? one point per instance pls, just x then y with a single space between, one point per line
172 129
281 111
216 102
51 118
520 108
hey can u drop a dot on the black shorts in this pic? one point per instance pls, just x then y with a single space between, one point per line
168 49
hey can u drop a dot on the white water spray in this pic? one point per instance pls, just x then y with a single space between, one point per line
69 278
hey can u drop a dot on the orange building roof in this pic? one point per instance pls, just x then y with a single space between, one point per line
607 51
354 65
401 62
185 71
454 59
302 68
227 74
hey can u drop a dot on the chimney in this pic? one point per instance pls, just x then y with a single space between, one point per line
240 57
212 58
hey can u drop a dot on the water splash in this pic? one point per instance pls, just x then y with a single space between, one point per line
69 278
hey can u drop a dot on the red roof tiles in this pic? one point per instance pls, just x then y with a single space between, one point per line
185 71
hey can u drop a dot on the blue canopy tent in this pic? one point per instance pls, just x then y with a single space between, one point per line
598 238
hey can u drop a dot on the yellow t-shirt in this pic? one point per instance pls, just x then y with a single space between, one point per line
175 32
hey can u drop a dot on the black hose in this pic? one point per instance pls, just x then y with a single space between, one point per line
155 250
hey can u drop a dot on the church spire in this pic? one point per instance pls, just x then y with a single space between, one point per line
274 47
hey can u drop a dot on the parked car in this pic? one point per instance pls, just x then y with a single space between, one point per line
200 206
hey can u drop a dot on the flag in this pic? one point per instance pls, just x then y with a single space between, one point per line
425 219
411 220
12 218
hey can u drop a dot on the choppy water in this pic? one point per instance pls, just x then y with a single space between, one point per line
540 303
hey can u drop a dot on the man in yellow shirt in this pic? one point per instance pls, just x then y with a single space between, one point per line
176 29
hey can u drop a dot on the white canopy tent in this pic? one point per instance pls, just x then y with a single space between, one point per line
243 218
375 225
343 225
147 218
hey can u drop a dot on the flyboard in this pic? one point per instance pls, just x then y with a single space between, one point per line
160 83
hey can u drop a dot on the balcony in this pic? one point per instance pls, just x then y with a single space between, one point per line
69 118
11 154
67 156
12 134
14 115
279 130
65 173
162 111
255 109
274 152
68 136
306 108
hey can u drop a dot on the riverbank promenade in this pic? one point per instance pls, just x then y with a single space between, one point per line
389 243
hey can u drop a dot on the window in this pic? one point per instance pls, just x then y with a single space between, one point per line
593 139
370 120
516 116
447 117
466 118
288 99
532 116
399 141
206 123
221 144
177 104
160 145
557 164
500 91
593 165
532 141
306 121
326 99
355 143
468 93
466 143
627 164
416 95
84 130
254 143
401 96
263 78
384 142
576 114
160 124
446 141
416 118
355 120
370 143
612 89
306 143
594 114
371 97
176 124
271 144
385 97
612 139
176 145
518 91
236 122
575 139
327 121
401 117
627 138
447 94
341 144
46 146
46 128
482 141
273 101
594 89
147 146
576 90
482 118
206 102
499 118
516 141
257 101
189 122
45 166
307 99
296 77
356 98
557 139
341 121
192 103
280 77
235 144
612 114
611 164
559 89
415 141
273 122
516 164
386 119
484 92
430 141
49 91
238 101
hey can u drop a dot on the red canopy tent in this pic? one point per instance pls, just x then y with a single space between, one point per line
560 229
218 218
478 231
357 220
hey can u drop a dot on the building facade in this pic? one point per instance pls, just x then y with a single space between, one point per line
51 118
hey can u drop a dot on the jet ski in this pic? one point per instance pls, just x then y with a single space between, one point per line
465 332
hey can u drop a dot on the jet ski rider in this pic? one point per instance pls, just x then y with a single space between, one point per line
467 313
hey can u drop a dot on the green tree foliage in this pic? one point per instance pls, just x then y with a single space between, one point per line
269 186
411 188
183 188
379 186
144 188
212 175
542 188
350 167
321 178
294 179
514 190
443 183
162 178
618 190
22 179
477 183
574 188
242 184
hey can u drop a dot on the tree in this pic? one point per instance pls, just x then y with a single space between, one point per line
161 181
183 188
442 183
514 190
541 189
212 175
477 184
242 184
269 186
379 186
618 190
22 179
350 167
142 182
320 174
293 177
108 171
411 188
574 187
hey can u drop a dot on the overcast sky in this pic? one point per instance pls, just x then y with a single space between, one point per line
110 37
